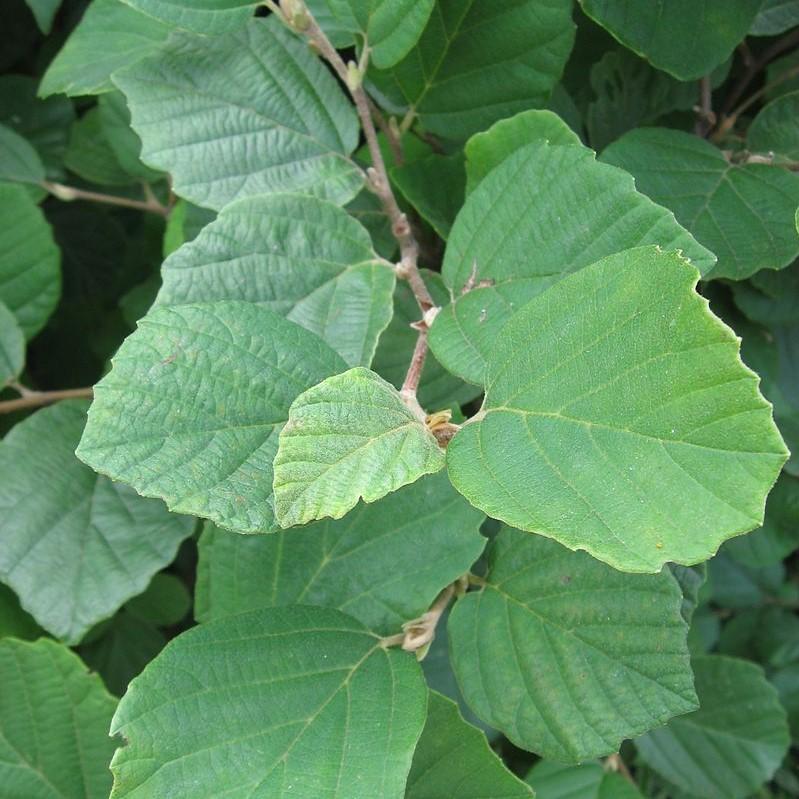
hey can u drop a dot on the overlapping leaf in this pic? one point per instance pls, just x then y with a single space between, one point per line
744 213
305 703
608 395
19 161
209 17
12 347
545 212
265 113
587 781
192 408
774 17
382 563
351 437
54 719
776 128
75 545
301 257
553 652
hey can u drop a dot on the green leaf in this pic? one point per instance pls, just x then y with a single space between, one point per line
192 407
779 535
744 213
90 156
587 781
350 437
165 602
775 17
19 161
12 347
266 116
14 621
686 39
609 395
545 212
553 652
485 151
690 579
30 274
297 702
730 746
735 585
454 761
109 36
76 546
302 258
477 63
769 297
54 719
438 388
210 17
44 12
390 27
786 681
776 128
382 563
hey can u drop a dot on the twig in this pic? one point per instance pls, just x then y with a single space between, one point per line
390 130
35 399
727 122
615 763
69 193
706 119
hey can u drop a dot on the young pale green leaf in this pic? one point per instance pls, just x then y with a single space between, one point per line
609 395
265 115
545 212
390 27
191 409
54 719
301 257
297 702
454 761
109 36
684 38
557 649
743 213
19 161
779 535
30 273
438 388
730 746
44 12
382 563
476 63
12 347
776 128
351 437
210 17
75 545
586 781
489 149
775 17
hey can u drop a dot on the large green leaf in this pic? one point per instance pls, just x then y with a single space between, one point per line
54 719
744 213
609 395
776 128
19 161
476 63
301 257
297 702
192 407
390 27
75 545
587 781
30 274
732 744
266 115
487 150
382 563
454 761
555 652
209 16
109 36
684 38
351 437
545 212
12 347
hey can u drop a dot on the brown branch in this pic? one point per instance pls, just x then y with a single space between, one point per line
69 194
36 399
706 119
390 130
